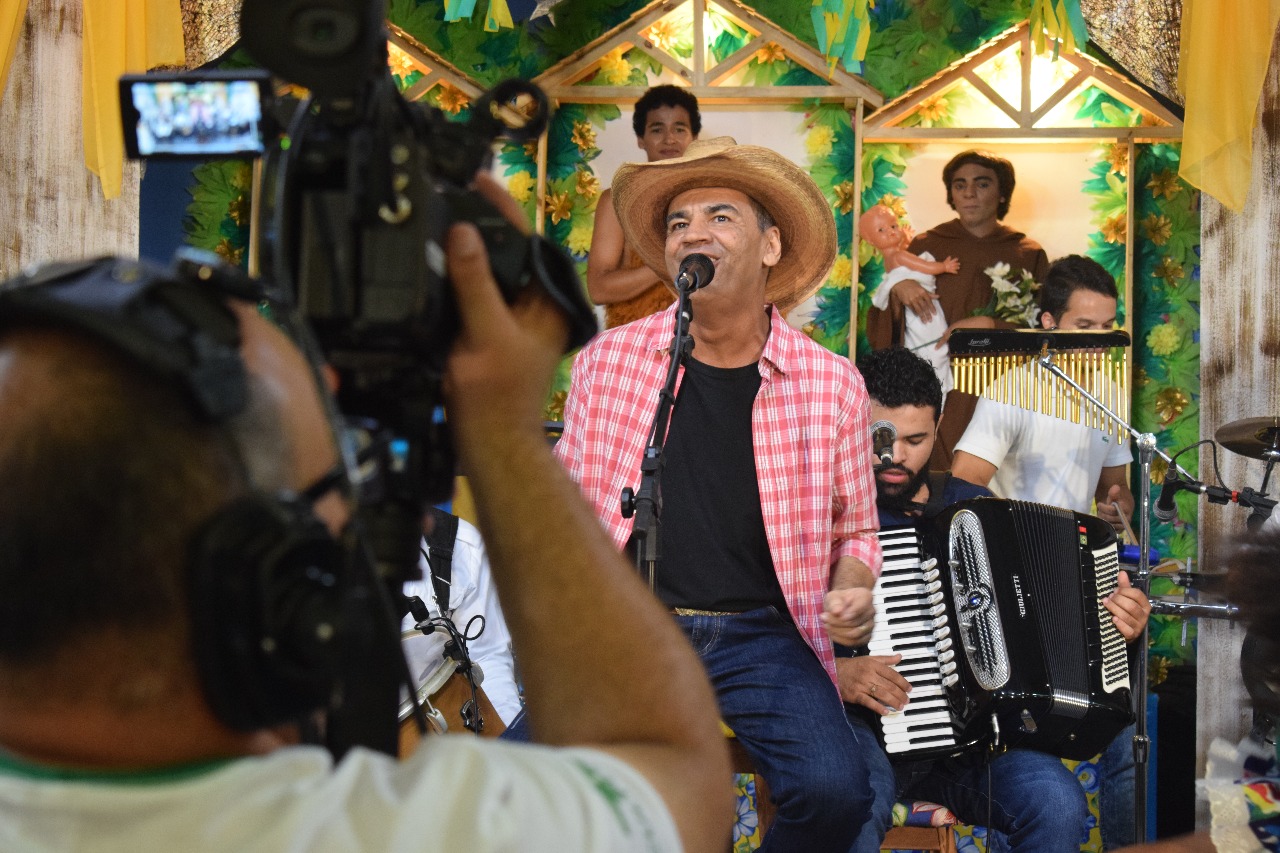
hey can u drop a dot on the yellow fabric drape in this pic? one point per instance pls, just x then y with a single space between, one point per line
499 17
121 37
843 28
11 17
1224 55
1059 23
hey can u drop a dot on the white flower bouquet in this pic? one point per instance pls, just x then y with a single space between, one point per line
1013 297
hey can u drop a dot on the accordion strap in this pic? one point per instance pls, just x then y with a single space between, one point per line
938 481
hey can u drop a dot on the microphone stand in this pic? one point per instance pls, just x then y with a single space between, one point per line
645 502
1146 444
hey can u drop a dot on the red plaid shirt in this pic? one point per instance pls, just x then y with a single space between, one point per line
811 427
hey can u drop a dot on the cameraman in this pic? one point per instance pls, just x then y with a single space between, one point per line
110 740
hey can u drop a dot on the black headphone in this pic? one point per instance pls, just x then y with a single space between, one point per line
266 592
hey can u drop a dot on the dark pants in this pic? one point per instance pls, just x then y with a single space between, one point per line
784 709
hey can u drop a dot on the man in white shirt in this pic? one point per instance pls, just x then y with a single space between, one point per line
1025 455
467 598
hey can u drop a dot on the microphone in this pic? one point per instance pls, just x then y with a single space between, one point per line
1165 509
883 435
695 271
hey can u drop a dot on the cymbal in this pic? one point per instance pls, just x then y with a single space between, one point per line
1257 438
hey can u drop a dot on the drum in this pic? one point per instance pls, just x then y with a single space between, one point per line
445 696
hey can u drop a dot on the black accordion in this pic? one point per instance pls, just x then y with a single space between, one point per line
996 608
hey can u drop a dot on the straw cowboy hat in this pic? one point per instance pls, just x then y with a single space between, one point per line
642 192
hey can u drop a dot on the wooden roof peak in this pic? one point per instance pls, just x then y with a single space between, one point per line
1024 115
706 83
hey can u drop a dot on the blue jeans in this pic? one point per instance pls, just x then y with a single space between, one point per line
518 730
884 788
1035 803
781 704
1116 782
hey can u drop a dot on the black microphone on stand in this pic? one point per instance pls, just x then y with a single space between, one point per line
1165 509
883 435
695 271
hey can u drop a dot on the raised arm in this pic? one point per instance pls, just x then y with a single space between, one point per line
603 664
903 258
607 281
1113 491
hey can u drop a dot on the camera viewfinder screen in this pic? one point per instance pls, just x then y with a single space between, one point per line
193 118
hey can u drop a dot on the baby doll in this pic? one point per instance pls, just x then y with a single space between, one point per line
879 227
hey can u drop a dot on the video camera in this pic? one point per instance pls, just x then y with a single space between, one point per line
354 201
356 197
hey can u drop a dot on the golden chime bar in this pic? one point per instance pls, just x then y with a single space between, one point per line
1006 365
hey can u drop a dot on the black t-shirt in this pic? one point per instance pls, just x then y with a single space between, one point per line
714 553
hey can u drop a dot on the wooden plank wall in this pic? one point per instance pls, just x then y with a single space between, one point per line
1240 378
51 206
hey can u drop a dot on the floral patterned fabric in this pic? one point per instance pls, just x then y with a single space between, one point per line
1242 784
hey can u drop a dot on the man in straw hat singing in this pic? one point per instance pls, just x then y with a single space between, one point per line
768 526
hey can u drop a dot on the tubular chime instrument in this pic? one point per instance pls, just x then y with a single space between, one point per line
1024 368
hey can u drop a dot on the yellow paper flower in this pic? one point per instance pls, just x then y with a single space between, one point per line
615 68
841 272
229 253
1164 339
771 52
1169 270
663 34
895 203
1158 469
1165 184
520 185
584 136
818 142
579 242
1118 157
1158 228
239 210
399 60
932 110
452 100
587 185
845 197
531 149
1158 670
1113 230
555 406
1170 403
559 206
